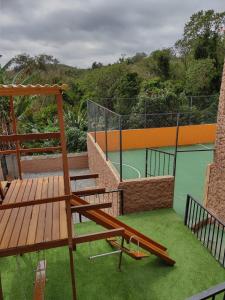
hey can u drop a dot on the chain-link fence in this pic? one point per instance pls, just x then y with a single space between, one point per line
108 127
105 126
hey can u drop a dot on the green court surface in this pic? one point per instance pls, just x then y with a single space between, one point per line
190 171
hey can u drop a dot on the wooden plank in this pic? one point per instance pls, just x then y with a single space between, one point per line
40 150
6 214
7 196
78 239
33 247
49 208
63 222
27 216
7 152
84 176
31 150
35 213
12 216
34 202
86 207
42 213
56 214
20 217
29 137
88 191
26 90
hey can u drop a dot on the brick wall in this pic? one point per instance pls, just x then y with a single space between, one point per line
139 194
215 199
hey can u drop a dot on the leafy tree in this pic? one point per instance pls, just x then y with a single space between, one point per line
199 77
203 37
162 62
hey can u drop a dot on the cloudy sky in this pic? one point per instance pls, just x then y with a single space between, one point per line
78 32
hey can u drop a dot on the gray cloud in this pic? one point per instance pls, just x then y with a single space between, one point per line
79 32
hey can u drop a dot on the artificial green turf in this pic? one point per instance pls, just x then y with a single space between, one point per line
150 278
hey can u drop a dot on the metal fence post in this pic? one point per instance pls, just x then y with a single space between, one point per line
106 135
146 162
121 148
176 146
187 209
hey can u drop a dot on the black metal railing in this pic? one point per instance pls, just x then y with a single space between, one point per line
207 228
114 196
211 293
158 162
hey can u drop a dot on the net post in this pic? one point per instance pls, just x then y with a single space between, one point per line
106 134
121 159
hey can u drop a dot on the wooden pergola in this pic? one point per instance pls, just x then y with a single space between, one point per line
36 214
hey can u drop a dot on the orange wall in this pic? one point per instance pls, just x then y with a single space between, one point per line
158 137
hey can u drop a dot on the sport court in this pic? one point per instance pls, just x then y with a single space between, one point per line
190 169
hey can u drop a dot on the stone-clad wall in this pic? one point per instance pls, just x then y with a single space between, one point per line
139 194
215 199
147 193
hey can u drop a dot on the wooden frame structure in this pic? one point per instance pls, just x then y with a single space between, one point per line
25 195
36 214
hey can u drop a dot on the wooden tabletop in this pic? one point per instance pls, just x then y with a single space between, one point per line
37 227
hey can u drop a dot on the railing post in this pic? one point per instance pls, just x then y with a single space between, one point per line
106 135
146 162
187 209
121 202
121 149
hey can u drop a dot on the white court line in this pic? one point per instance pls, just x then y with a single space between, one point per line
135 169
204 146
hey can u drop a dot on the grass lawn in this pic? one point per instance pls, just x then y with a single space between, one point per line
150 278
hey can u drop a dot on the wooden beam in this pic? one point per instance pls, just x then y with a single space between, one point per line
84 176
66 190
41 150
14 126
35 202
88 192
40 280
98 235
26 90
86 207
31 150
29 137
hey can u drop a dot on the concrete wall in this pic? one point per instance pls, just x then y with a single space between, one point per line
139 194
51 163
157 137
215 199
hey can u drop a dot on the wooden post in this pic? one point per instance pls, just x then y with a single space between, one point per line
14 126
1 292
66 189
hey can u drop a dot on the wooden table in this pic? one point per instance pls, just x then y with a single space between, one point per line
37 227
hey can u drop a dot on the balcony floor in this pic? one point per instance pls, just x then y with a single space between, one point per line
195 268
